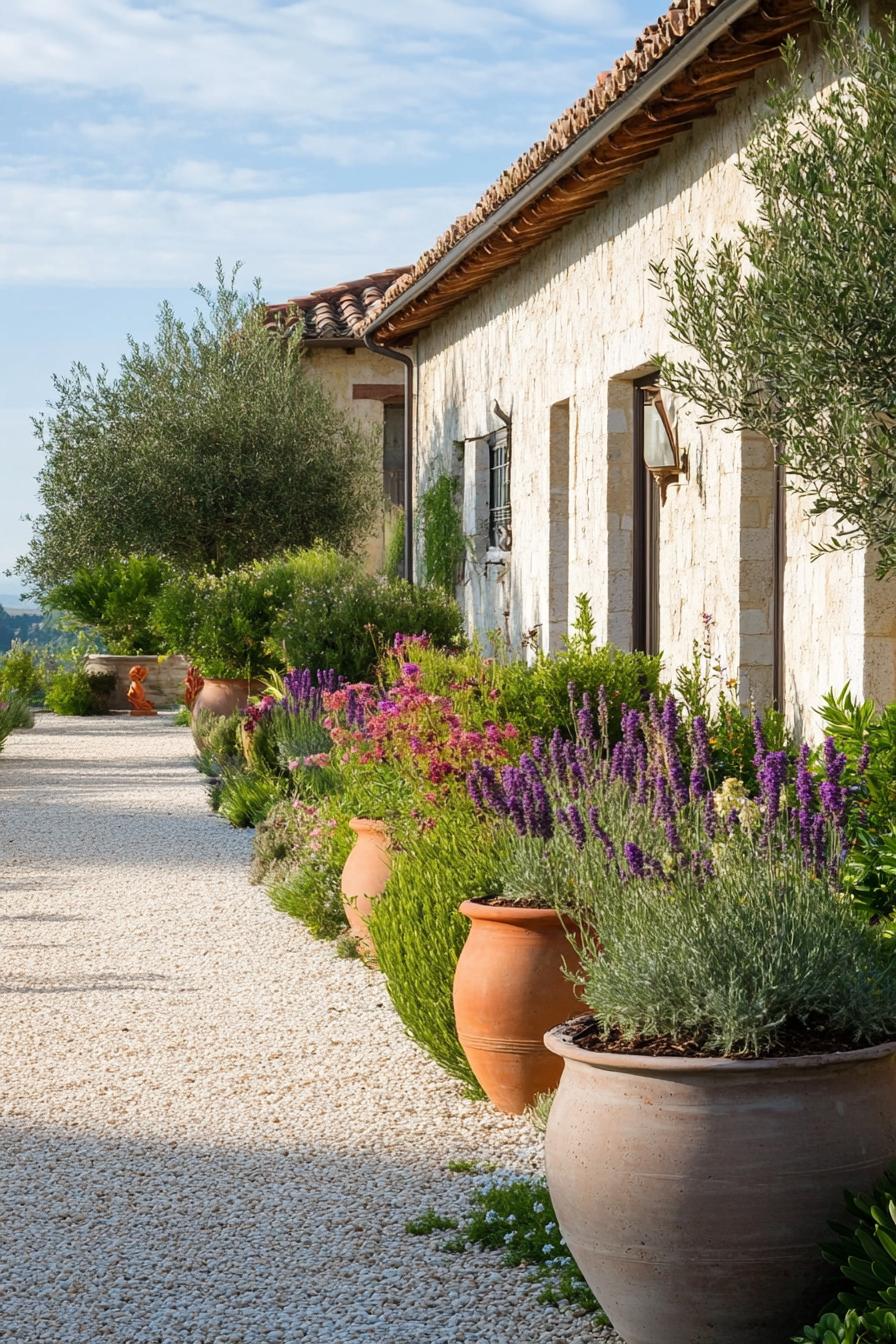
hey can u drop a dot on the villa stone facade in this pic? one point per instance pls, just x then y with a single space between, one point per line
557 342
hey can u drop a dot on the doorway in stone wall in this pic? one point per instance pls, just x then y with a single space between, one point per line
645 532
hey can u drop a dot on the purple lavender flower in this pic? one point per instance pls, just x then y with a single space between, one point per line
677 777
732 821
558 755
474 788
699 786
673 839
772 777
759 741
572 818
538 749
700 741
663 808
601 834
491 788
865 757
634 857
603 713
710 820
616 760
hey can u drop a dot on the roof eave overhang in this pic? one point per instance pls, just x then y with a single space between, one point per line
404 315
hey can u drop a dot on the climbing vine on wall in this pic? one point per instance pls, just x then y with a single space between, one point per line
444 543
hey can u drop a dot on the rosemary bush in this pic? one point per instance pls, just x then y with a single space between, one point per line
419 934
15 712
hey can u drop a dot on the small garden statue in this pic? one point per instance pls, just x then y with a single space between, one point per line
136 694
193 684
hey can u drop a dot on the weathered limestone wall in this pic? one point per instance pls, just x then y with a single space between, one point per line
572 326
339 371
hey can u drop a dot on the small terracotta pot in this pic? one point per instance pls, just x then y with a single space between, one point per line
364 876
509 987
693 1193
225 696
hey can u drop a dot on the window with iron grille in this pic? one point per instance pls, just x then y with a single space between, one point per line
499 521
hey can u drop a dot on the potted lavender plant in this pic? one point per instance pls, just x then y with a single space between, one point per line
737 1065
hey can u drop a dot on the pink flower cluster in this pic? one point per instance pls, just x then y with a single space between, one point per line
417 732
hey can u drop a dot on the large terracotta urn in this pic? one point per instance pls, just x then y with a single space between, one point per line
694 1193
224 696
509 988
364 876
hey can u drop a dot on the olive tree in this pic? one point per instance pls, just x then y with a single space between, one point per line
210 447
793 322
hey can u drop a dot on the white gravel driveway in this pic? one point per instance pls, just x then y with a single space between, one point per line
212 1129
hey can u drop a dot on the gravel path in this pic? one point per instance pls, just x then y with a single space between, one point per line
213 1130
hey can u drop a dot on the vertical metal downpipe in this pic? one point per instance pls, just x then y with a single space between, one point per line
408 447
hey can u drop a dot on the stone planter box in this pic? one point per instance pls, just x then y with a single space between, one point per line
164 681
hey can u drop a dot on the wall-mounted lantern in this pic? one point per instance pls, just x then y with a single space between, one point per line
663 455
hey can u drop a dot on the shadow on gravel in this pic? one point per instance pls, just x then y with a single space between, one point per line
122 1240
35 918
85 984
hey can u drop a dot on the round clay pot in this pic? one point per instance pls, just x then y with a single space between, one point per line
694 1193
224 696
509 987
364 876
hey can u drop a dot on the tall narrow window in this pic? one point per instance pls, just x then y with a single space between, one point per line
646 518
393 453
499 520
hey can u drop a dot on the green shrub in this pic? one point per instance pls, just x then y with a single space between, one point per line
314 609
118 598
21 672
441 524
69 692
877 1327
303 857
867 737
102 688
419 934
15 712
343 625
245 797
217 739
222 623
537 697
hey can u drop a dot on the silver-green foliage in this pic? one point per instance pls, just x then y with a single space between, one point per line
733 962
15 712
793 322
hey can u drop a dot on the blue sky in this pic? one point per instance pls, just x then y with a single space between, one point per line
315 141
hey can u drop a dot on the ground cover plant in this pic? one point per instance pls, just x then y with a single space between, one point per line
515 1215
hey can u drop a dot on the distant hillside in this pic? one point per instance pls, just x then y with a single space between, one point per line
13 603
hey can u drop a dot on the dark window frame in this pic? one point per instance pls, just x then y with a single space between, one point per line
500 518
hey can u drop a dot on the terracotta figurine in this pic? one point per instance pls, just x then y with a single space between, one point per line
136 694
193 684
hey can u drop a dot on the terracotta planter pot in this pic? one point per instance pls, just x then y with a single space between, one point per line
225 696
364 876
693 1193
509 987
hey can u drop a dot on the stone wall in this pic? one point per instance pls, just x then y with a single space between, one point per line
572 326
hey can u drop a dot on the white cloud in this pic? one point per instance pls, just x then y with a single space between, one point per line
106 237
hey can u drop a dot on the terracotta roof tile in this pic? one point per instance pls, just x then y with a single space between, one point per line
753 40
335 313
